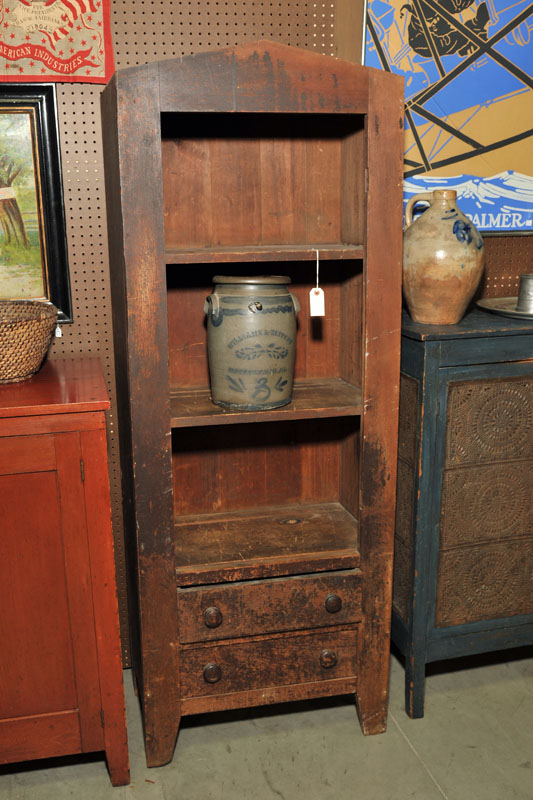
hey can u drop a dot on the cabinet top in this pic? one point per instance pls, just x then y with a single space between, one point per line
61 386
263 76
477 324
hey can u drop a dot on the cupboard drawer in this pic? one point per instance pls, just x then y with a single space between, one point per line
278 661
274 605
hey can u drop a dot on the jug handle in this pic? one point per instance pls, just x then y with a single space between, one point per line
424 197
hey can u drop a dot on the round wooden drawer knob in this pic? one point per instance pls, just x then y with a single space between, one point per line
212 617
212 673
328 659
333 603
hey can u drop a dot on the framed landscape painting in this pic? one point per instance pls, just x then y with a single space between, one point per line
33 250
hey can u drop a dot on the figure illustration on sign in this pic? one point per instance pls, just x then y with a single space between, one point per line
468 68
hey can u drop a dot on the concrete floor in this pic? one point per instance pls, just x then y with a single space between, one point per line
475 743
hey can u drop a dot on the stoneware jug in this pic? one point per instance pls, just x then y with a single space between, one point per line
443 259
251 333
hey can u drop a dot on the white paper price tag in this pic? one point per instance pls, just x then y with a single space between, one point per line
316 302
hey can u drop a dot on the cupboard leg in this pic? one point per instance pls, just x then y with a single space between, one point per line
372 719
415 686
160 744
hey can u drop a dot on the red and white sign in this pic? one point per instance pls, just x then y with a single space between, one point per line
55 40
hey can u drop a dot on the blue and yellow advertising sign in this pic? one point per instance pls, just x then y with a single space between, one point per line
468 68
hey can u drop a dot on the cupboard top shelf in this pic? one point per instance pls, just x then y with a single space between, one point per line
311 399
61 386
274 252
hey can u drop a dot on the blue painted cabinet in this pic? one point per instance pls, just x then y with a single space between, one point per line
463 578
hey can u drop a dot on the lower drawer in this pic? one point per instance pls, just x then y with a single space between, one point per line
250 608
278 661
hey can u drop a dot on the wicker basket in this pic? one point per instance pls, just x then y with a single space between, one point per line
26 328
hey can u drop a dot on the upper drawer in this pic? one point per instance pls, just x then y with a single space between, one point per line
277 604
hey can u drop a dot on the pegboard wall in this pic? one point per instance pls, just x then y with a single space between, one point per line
150 30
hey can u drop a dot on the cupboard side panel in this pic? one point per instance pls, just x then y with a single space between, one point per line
146 355
382 310
115 225
353 179
100 540
351 329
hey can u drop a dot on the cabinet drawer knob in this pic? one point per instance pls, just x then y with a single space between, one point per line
328 659
212 673
212 617
333 603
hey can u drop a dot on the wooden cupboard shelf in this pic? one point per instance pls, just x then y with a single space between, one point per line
261 543
260 253
311 399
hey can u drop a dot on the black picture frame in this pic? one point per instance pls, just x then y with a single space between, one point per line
38 102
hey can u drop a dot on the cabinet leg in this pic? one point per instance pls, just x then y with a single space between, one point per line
415 686
118 765
372 720
159 745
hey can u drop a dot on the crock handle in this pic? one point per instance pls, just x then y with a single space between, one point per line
212 304
295 302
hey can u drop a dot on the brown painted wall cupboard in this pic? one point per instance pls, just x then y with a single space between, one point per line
260 542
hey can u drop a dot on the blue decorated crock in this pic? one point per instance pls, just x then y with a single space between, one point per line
251 333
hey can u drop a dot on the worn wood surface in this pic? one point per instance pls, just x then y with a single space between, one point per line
329 251
311 399
268 696
265 543
273 661
262 76
282 604
131 129
381 371
63 666
250 154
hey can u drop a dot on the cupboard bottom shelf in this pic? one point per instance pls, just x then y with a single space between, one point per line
262 543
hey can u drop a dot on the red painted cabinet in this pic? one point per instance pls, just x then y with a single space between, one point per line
60 671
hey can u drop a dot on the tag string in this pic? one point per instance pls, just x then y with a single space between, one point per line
317 266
